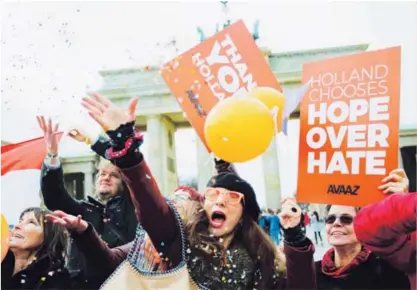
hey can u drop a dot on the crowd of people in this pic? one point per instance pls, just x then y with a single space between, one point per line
315 223
127 235
269 222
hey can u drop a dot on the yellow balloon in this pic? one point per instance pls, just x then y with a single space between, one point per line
272 98
4 237
239 129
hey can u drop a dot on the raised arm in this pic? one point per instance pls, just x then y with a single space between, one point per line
90 244
95 250
155 215
388 229
298 249
54 193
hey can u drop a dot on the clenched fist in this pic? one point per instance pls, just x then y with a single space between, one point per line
290 215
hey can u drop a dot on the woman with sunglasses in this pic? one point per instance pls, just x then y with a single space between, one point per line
350 265
225 248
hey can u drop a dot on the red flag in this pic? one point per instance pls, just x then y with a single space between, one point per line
24 155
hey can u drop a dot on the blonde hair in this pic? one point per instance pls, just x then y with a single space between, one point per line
104 163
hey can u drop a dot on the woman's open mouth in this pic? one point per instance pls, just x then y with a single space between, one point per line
217 219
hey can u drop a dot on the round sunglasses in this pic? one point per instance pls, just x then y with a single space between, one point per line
345 219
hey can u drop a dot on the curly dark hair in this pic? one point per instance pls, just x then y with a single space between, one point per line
55 237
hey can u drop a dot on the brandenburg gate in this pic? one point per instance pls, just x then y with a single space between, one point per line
160 115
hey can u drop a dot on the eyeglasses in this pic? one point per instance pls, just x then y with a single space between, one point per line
231 197
345 219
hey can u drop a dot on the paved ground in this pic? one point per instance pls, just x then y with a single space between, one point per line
320 249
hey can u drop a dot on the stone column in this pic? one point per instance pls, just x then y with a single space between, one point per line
160 135
88 183
271 176
270 164
205 165
84 165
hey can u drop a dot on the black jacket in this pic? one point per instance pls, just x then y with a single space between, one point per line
116 222
374 273
41 274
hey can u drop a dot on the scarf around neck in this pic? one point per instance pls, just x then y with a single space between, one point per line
329 268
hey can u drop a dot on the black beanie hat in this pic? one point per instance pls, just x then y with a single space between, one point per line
233 182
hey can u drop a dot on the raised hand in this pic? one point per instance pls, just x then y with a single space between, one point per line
396 181
107 114
72 223
290 215
78 136
50 134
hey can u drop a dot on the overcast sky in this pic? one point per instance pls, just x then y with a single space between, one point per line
51 52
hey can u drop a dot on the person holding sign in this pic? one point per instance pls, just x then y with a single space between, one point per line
350 263
388 229
221 247
349 122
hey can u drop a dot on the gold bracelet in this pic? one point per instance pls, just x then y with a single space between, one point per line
87 140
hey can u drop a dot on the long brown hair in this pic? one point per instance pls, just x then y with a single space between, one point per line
261 249
55 238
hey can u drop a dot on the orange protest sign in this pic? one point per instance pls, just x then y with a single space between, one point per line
225 65
349 127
